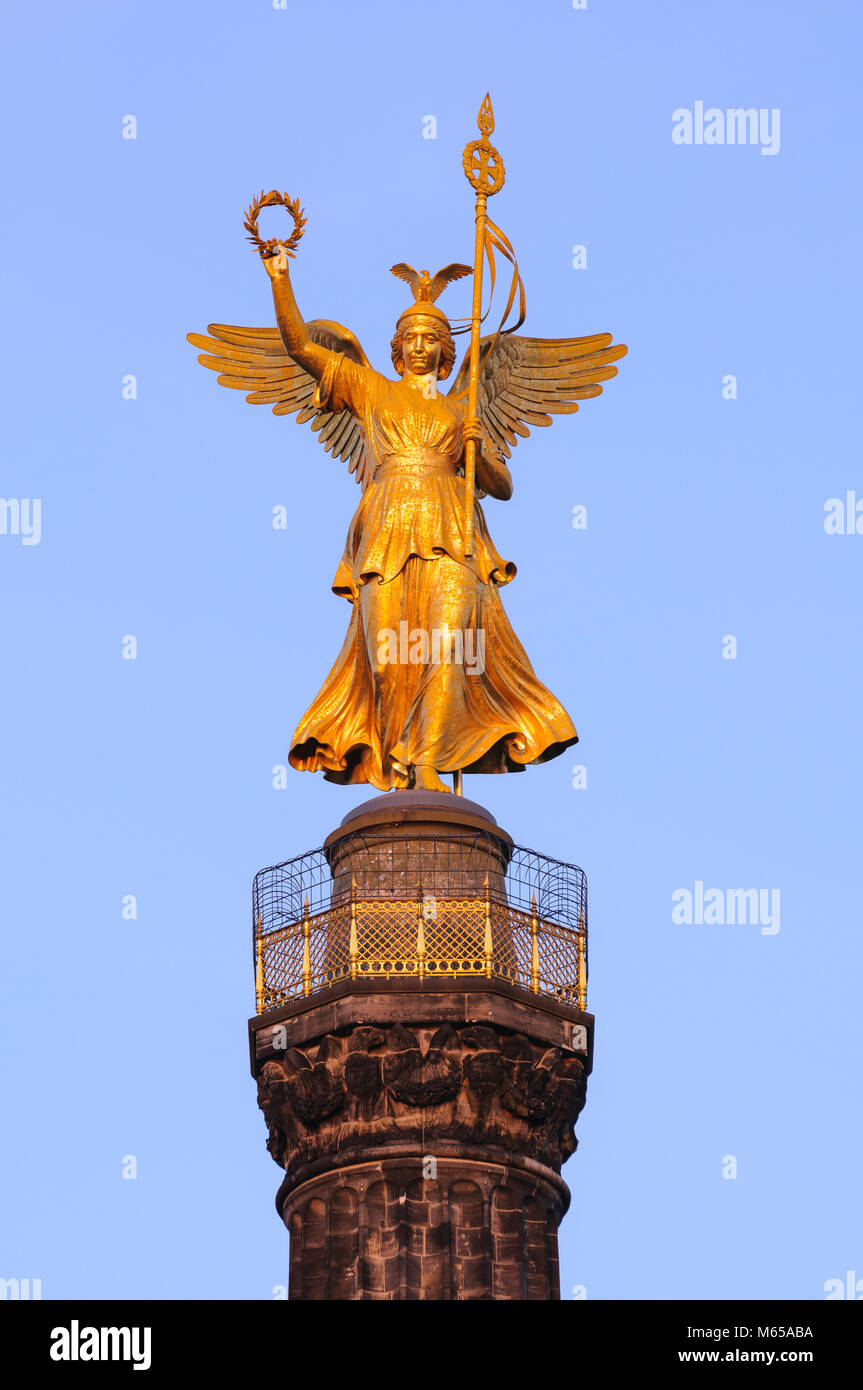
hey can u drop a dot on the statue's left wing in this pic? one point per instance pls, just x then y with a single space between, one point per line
524 381
254 360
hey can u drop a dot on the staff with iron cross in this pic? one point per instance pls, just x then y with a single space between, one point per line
485 173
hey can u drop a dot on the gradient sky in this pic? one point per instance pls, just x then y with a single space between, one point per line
706 518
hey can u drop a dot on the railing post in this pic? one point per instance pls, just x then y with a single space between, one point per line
534 946
354 946
488 946
421 936
259 966
582 965
307 961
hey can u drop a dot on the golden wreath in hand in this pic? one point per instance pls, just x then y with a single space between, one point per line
275 245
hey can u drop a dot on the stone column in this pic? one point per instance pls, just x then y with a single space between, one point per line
422 1124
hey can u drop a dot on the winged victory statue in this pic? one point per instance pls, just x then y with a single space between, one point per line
431 678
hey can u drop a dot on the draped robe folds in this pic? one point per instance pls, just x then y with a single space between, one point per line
396 699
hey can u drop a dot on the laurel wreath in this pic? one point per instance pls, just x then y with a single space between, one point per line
494 171
274 199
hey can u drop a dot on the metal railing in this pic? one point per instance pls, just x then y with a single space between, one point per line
529 929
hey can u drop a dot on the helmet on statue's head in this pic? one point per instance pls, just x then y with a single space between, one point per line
426 289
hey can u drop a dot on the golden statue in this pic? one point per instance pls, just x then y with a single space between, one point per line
431 677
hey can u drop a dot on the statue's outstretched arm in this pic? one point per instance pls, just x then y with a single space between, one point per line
292 327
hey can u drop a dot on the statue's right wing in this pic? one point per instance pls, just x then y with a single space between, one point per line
254 360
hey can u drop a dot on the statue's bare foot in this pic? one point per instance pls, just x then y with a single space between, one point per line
427 780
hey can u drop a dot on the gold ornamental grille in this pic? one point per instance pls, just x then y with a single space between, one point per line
512 932
420 906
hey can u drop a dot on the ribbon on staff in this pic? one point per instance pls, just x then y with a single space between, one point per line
496 240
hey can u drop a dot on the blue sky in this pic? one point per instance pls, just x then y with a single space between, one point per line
706 518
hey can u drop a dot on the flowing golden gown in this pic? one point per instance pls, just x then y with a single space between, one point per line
375 719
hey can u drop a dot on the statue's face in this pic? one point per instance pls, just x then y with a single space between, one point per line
421 345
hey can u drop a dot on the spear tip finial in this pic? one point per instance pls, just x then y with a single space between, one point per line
485 119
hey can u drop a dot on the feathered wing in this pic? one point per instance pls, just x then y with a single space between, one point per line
524 381
453 271
254 360
406 272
